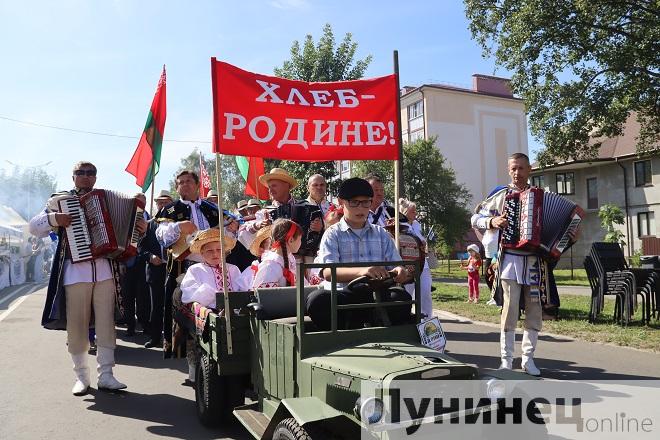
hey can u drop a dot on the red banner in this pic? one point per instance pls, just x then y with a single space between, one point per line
265 116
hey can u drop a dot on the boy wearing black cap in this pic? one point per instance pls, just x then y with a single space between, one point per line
354 239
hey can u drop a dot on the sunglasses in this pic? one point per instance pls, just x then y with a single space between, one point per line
90 173
363 203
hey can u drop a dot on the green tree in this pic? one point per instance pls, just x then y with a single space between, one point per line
26 190
581 66
319 62
609 216
431 183
233 185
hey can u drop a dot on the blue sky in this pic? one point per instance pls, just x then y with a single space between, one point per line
94 65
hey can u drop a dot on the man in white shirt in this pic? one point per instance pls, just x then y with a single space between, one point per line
381 210
518 272
81 288
318 188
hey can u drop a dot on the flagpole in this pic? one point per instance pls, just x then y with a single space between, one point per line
221 226
256 178
153 185
398 164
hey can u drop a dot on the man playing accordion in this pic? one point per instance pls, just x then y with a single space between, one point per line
78 289
520 272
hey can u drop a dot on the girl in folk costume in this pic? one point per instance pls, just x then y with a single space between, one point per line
473 265
278 265
260 244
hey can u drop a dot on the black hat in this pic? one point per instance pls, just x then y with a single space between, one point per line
355 187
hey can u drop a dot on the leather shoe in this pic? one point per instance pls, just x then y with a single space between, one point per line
153 343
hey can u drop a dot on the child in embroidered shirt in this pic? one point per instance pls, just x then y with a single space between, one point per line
260 244
473 265
278 265
203 280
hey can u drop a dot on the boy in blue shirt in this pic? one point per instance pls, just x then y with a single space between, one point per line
355 239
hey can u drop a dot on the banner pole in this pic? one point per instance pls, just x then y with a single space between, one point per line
398 164
221 226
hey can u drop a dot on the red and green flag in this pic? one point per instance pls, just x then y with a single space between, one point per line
251 168
145 162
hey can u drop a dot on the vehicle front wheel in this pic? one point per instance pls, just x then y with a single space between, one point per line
289 429
208 393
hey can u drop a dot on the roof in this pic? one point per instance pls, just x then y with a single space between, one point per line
9 217
617 147
409 89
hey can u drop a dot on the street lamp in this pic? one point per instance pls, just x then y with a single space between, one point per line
34 170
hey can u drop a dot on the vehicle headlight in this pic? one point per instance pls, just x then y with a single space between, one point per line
495 389
369 410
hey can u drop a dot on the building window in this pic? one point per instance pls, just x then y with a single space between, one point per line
345 166
565 183
416 110
592 193
416 121
538 181
416 135
644 224
643 173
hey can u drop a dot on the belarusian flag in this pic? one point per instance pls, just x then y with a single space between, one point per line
251 168
204 179
146 160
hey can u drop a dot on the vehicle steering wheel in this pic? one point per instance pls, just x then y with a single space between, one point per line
373 283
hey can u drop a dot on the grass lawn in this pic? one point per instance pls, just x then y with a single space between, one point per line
573 318
562 276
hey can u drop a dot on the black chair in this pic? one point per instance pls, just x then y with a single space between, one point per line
613 269
605 285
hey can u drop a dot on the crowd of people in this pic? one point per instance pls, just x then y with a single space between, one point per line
181 248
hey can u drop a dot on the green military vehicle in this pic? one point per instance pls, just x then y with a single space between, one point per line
303 383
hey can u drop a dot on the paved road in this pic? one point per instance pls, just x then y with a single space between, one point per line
36 378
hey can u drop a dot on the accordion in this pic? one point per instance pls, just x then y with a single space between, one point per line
302 213
540 221
102 225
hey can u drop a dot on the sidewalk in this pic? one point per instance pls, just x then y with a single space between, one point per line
563 290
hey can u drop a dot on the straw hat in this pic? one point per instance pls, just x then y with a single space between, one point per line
261 235
212 193
207 236
278 174
164 194
253 203
242 204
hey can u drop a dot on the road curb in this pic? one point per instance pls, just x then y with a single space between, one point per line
448 315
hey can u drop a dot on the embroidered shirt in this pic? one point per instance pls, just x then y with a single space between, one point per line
202 282
271 270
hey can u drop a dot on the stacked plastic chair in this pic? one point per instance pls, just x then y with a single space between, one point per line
609 274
